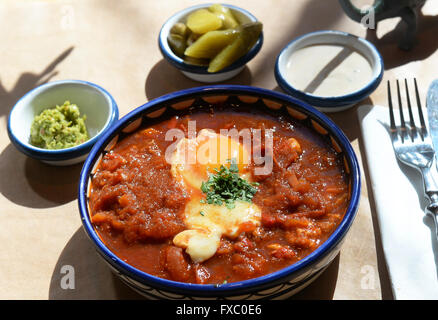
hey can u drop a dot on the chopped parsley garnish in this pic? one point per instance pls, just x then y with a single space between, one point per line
225 186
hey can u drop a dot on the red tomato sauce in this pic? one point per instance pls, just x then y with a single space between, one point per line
137 208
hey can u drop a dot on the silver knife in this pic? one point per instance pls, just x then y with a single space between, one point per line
432 113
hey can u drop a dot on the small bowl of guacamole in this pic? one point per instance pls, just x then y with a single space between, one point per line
59 122
60 127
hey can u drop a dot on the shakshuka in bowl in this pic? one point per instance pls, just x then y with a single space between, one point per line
228 192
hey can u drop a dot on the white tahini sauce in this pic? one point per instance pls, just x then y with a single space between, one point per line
328 70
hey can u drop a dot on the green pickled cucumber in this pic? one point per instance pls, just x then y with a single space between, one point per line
225 14
247 37
211 43
196 61
192 38
201 21
177 43
178 38
180 29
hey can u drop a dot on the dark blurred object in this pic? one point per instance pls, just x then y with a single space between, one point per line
385 9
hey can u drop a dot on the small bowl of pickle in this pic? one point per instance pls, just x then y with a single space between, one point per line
211 42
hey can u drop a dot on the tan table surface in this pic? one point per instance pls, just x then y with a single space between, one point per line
114 44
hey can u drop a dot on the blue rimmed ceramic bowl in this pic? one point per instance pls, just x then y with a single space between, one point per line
330 37
280 284
93 101
200 73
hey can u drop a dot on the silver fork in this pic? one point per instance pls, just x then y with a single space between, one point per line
413 146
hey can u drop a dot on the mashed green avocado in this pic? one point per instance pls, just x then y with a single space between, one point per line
58 128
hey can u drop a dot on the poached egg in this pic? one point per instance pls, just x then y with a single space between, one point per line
191 163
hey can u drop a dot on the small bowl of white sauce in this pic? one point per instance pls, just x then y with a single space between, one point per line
331 70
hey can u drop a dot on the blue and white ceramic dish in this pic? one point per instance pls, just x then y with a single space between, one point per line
93 101
199 73
280 284
334 103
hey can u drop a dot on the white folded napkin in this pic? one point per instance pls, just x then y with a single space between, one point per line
408 236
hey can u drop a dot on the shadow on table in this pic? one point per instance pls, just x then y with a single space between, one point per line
164 78
426 42
92 277
28 81
348 120
351 127
31 183
25 181
94 280
323 288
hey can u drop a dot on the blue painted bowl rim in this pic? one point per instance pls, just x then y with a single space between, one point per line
180 64
335 101
68 153
235 287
